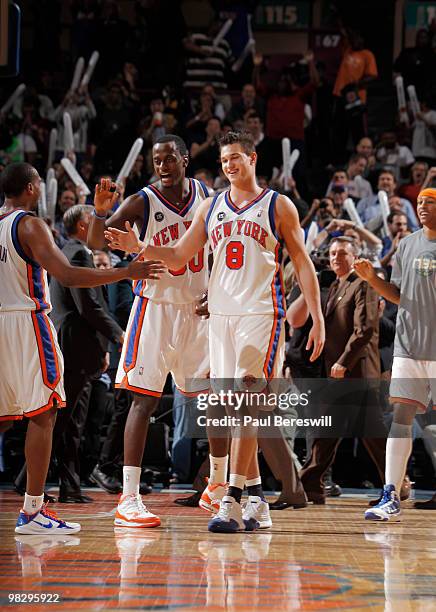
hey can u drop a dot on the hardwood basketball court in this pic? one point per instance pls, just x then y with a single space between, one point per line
317 558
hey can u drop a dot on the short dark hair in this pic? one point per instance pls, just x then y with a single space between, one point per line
253 114
387 171
15 178
73 215
355 158
245 139
179 142
391 215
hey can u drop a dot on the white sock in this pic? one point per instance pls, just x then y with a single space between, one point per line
32 503
236 480
398 449
218 469
131 478
252 482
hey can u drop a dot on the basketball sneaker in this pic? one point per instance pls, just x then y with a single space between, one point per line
131 512
388 509
44 521
257 509
229 518
212 495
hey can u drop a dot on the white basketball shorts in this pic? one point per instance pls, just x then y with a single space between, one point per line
247 347
413 382
31 365
162 339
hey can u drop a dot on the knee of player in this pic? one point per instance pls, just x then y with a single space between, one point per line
144 405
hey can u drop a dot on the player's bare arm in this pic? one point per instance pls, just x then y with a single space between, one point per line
38 244
365 270
174 257
105 198
288 228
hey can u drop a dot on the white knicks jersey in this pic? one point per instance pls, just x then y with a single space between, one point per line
23 283
164 224
246 276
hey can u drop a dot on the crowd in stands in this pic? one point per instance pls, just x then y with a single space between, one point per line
147 85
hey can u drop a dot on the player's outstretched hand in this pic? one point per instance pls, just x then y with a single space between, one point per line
123 241
316 339
105 196
139 269
364 269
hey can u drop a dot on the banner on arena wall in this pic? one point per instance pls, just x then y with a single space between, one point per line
420 14
282 15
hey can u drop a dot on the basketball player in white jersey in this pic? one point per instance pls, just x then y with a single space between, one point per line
164 335
244 227
31 364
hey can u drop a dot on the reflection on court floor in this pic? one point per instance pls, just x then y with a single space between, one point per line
312 559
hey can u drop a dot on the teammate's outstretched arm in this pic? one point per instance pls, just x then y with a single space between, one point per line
175 256
105 198
37 242
365 270
289 229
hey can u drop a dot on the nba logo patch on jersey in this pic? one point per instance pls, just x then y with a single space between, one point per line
221 216
159 216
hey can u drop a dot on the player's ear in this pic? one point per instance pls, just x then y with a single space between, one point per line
253 158
185 160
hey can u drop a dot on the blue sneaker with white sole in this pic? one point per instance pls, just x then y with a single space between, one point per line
388 508
44 522
229 518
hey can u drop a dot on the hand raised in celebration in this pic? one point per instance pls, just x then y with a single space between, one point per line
106 196
123 241
139 269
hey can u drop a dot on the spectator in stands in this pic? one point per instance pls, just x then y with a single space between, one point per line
285 110
81 109
113 131
268 150
137 177
398 229
157 123
424 131
205 176
44 104
416 64
248 102
365 147
206 154
410 191
369 208
357 186
206 63
393 156
358 68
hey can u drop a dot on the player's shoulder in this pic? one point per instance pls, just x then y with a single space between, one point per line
410 240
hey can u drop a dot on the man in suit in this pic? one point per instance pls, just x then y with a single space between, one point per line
351 352
85 329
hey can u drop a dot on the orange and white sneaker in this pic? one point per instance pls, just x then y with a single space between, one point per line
212 496
131 512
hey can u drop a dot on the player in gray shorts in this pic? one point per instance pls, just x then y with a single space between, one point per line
413 383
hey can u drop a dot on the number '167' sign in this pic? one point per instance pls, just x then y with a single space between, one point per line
282 14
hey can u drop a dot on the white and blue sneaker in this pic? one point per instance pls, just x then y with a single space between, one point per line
258 509
229 518
44 521
388 508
